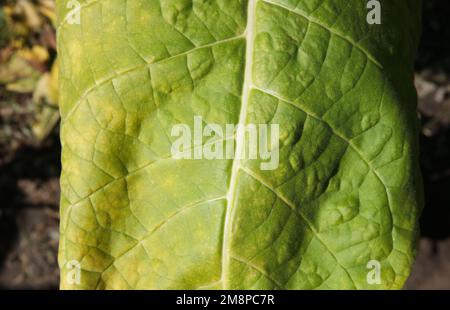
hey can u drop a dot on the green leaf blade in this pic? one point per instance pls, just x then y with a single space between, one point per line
346 190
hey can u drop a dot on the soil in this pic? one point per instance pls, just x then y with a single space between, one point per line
29 199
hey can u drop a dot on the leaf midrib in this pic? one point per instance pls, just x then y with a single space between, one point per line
246 89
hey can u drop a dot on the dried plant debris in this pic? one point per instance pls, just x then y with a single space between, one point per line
28 74
434 101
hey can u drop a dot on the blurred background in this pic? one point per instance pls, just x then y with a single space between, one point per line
30 150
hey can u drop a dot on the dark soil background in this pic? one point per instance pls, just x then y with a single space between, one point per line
30 167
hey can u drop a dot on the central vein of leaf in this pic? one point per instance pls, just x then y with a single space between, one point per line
249 35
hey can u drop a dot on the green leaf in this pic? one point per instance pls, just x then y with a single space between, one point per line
347 190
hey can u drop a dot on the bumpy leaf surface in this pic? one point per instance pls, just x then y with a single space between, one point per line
347 190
